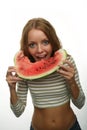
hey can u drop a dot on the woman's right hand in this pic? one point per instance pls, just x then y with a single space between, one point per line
12 77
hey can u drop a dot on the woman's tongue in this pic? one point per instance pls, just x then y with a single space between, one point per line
40 57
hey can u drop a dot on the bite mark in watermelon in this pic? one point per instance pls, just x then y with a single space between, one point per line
28 70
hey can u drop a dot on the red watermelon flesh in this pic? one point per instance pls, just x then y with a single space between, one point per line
28 70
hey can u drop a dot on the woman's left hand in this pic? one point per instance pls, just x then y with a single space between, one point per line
67 71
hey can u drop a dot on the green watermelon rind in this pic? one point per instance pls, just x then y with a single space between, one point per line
55 68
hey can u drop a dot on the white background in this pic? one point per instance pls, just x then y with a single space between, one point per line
69 18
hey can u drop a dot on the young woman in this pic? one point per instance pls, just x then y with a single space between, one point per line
51 95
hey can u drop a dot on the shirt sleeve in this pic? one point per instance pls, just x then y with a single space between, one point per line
80 101
19 107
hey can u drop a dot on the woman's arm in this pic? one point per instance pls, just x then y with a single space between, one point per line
18 95
21 96
70 72
77 94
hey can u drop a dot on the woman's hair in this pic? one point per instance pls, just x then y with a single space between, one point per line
43 25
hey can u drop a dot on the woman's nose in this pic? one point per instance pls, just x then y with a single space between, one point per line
39 48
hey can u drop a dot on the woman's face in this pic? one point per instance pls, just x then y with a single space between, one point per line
38 45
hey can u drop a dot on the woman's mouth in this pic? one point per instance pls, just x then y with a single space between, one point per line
40 57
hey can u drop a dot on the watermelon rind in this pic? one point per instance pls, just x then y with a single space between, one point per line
55 68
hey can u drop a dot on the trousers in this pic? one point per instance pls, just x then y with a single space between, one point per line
76 126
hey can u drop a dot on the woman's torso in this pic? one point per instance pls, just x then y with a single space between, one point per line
56 118
50 97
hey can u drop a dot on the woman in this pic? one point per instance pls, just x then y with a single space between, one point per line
52 94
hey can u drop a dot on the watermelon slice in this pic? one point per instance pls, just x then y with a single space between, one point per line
28 70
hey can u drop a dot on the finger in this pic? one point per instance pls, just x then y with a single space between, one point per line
8 73
11 71
11 68
13 79
66 68
68 63
67 75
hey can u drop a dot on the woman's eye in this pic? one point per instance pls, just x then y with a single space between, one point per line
31 45
45 42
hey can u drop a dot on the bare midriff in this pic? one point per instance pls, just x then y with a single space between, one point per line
55 118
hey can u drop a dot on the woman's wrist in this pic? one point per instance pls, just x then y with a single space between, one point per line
73 88
72 82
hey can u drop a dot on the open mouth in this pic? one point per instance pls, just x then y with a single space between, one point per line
40 57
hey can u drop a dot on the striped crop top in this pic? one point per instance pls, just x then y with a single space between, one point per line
49 91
